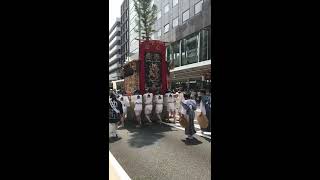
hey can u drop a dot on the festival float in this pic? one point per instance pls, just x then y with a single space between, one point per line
147 72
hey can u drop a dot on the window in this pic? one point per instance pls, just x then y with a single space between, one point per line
159 33
198 7
183 53
174 2
203 45
166 8
175 22
191 50
166 28
159 15
185 16
176 53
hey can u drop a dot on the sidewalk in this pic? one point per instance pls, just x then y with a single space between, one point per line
115 170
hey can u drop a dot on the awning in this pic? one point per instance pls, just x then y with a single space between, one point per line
190 71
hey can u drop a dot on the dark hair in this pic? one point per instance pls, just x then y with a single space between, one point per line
186 95
138 97
112 96
159 97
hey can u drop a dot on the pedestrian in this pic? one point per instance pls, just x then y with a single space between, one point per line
205 107
158 98
115 113
188 112
148 100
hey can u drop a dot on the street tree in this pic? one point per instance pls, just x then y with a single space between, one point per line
146 17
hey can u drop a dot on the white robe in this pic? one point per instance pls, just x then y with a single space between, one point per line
125 103
202 108
159 103
148 103
179 100
170 106
137 105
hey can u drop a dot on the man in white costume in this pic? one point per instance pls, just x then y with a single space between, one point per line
148 97
159 105
137 98
125 104
171 106
180 99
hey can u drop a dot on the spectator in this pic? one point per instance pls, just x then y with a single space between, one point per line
205 107
188 108
115 114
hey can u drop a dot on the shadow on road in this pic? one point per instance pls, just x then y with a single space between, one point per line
207 139
112 140
195 141
147 134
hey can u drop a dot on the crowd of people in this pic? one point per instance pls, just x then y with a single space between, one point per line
176 104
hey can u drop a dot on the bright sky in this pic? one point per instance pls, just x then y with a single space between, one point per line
114 11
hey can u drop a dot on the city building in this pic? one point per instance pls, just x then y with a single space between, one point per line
185 26
114 52
124 31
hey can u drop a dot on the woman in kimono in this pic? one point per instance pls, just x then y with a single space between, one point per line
205 107
188 111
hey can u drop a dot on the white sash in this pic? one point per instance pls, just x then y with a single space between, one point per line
113 107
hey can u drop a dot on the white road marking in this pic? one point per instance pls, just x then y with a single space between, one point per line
119 170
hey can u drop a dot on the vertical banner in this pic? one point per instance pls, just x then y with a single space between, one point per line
153 66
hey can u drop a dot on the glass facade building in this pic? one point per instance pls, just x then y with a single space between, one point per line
185 26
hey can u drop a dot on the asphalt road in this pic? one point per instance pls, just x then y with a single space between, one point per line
159 152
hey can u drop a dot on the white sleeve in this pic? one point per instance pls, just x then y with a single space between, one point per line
202 108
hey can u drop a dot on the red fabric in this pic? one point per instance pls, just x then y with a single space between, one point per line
153 46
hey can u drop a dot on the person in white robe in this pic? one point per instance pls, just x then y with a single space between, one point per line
159 106
137 108
148 100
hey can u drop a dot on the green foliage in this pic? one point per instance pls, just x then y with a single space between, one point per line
146 17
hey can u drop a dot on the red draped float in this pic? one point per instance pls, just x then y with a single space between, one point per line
153 66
